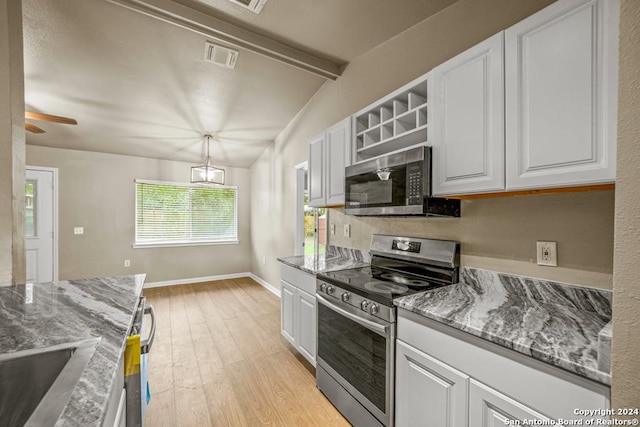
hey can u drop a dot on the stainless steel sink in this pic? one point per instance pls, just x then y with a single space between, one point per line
35 385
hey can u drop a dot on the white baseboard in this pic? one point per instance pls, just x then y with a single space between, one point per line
268 286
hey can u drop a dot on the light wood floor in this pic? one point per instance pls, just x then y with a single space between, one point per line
219 360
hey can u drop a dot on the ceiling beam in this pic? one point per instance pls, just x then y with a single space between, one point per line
233 35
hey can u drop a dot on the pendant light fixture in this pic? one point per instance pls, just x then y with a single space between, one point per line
207 174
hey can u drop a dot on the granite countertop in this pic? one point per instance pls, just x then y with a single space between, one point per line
561 324
335 258
45 314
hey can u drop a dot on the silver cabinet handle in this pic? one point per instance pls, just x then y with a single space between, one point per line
372 326
146 344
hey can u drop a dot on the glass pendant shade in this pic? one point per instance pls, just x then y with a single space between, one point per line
207 174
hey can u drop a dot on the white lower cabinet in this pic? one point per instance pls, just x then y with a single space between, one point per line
287 301
121 414
428 392
448 378
306 325
116 412
490 408
298 315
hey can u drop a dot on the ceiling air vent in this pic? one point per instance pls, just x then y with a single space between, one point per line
219 55
253 5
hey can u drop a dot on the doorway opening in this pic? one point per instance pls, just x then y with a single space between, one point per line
311 223
41 224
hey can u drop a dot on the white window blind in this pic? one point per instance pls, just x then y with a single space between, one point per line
173 213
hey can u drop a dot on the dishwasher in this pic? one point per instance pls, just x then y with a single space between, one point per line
136 380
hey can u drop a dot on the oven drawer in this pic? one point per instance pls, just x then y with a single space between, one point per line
299 279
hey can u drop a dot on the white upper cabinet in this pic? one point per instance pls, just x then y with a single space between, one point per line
561 95
316 171
338 156
329 154
468 128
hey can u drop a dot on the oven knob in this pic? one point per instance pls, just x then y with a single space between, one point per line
346 296
330 290
323 287
364 304
373 308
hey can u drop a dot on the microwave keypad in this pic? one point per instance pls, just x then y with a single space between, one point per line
414 185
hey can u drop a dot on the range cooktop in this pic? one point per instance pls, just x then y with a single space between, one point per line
378 284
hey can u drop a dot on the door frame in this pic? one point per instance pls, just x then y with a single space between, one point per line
55 213
301 184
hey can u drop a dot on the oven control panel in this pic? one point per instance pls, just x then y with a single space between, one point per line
406 246
342 296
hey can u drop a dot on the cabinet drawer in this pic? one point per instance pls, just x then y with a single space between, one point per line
299 279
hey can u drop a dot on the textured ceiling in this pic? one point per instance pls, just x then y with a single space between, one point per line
138 86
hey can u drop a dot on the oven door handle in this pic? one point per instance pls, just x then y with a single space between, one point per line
372 326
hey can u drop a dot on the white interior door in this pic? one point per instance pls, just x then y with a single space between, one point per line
40 225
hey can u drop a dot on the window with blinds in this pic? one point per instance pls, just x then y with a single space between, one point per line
174 214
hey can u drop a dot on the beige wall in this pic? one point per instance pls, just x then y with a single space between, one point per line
96 191
626 299
498 234
501 234
12 151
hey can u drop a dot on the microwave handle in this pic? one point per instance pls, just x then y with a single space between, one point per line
372 326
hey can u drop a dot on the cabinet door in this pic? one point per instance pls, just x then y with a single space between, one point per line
468 121
306 325
489 408
337 156
287 321
429 393
316 171
561 95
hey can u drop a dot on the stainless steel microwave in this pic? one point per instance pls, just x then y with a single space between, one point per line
396 184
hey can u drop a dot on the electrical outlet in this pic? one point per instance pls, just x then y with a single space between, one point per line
264 260
547 253
78 230
333 229
127 263
347 230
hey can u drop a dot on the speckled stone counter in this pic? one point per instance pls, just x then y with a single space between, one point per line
553 322
46 314
335 258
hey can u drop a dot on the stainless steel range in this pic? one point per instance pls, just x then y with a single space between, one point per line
356 322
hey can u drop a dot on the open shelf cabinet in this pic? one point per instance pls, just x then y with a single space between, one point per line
395 122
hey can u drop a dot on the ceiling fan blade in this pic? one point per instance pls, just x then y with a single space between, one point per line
33 128
49 118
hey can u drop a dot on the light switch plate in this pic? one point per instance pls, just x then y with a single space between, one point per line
547 253
333 228
347 230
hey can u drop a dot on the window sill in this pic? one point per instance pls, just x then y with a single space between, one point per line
180 244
